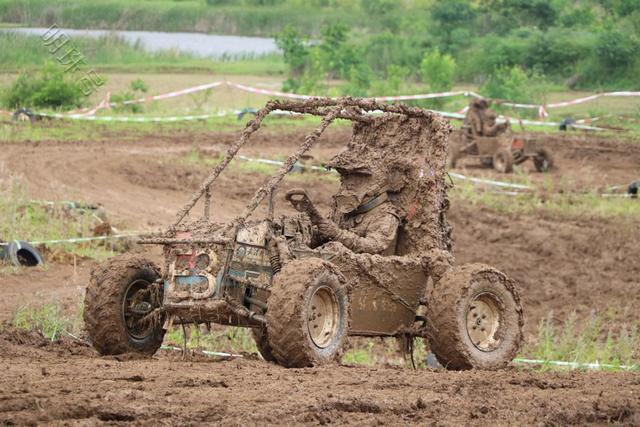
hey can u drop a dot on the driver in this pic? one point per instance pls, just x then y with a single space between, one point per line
482 121
363 218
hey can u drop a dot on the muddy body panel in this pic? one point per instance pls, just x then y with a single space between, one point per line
386 304
385 290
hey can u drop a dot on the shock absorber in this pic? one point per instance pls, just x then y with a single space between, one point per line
274 257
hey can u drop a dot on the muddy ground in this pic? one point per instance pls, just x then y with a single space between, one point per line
581 264
66 383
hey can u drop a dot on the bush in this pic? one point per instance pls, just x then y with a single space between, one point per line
137 90
437 70
386 48
51 87
516 85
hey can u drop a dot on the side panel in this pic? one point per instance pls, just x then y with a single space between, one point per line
385 292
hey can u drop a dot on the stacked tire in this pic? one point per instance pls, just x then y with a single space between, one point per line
20 254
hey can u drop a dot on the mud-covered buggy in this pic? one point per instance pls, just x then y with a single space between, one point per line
501 152
302 301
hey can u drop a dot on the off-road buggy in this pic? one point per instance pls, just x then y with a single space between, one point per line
303 302
501 152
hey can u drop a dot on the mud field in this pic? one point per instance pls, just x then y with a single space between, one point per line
584 264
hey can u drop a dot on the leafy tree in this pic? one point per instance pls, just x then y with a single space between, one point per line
616 49
386 49
515 84
437 70
338 56
450 16
359 82
294 50
296 55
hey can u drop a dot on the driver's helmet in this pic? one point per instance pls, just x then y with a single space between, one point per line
480 104
362 177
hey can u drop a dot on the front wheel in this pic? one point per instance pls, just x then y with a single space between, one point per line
543 160
474 318
307 314
503 161
120 307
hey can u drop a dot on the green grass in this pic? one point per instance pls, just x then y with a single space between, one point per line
592 342
167 15
113 54
223 339
238 166
80 130
49 319
547 201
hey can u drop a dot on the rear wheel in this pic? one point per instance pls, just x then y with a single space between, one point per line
543 160
503 161
307 314
474 318
120 305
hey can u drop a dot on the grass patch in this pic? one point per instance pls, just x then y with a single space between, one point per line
185 15
48 319
239 166
591 343
226 339
81 130
24 219
549 202
113 54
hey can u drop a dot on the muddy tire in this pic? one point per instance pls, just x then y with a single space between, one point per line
474 318
503 161
307 314
120 293
262 342
543 161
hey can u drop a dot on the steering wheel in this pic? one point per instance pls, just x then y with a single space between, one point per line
299 199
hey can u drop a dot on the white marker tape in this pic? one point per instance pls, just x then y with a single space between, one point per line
576 365
206 352
84 239
490 182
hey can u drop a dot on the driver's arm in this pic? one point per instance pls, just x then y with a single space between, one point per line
475 122
495 129
380 235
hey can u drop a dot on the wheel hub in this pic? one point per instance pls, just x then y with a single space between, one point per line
483 321
138 303
323 317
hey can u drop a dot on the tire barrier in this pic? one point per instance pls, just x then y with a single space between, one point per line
20 254
633 189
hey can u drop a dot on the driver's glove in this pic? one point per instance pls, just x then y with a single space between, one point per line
328 229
